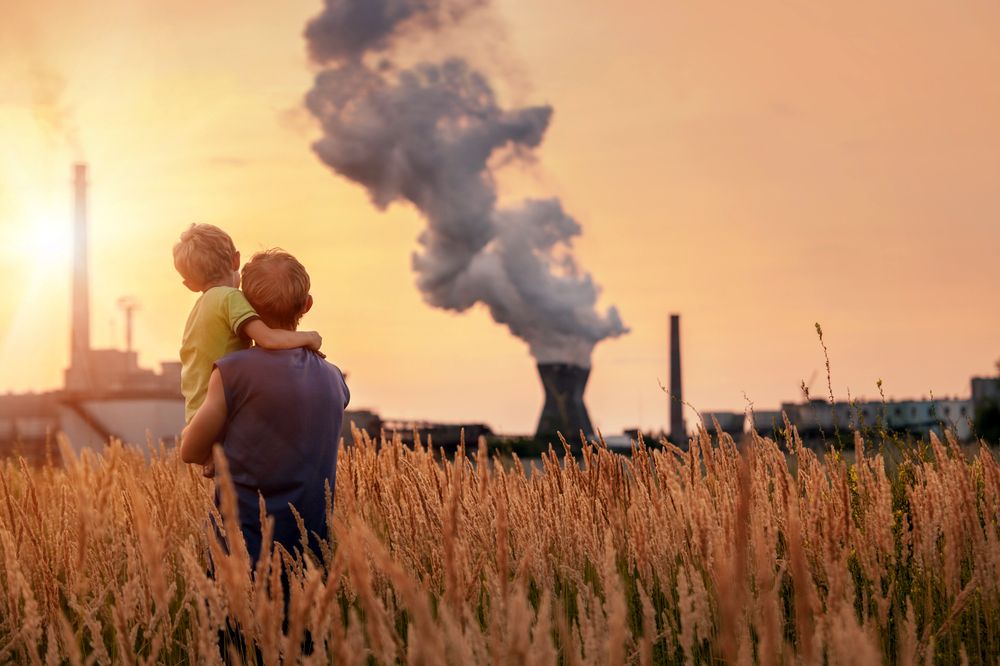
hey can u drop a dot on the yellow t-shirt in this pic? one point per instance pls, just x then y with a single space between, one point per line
212 331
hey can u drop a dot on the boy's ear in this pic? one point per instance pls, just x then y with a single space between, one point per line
309 304
236 261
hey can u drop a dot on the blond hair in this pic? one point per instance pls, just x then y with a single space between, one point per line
277 286
205 253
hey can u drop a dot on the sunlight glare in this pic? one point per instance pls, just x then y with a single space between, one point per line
45 241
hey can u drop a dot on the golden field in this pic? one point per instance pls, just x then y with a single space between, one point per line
711 555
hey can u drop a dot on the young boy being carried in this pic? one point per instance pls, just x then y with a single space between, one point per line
221 321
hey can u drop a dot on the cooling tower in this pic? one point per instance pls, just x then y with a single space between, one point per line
564 411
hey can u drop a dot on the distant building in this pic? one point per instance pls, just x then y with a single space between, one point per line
632 435
27 423
363 419
767 423
111 398
925 416
818 419
125 402
985 390
137 407
730 423
443 435
106 395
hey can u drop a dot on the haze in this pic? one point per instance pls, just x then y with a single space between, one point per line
757 169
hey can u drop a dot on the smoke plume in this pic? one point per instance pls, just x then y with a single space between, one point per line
426 134
54 114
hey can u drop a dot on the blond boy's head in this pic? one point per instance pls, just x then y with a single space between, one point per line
277 286
205 256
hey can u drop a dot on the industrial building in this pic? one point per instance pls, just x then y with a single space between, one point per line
106 393
819 419
441 435
985 390
730 423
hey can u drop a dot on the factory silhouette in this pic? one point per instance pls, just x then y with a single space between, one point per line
107 395
819 421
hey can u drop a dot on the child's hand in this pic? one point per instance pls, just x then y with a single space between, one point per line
315 340
208 470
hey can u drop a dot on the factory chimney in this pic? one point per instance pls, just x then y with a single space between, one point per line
78 374
564 411
678 433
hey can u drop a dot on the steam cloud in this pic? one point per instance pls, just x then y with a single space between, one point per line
426 134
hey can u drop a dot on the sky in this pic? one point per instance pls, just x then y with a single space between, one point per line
757 168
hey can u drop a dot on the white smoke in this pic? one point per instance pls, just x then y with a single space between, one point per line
425 134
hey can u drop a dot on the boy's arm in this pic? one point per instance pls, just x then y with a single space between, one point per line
278 338
203 431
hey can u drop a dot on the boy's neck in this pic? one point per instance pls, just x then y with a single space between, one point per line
217 283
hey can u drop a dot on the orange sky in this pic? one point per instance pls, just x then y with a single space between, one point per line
757 169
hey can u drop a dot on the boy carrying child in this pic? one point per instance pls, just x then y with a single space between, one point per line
221 321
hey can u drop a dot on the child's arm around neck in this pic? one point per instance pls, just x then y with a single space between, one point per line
279 338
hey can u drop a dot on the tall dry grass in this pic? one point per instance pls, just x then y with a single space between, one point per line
704 556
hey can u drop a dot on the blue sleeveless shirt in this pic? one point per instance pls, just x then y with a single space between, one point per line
285 410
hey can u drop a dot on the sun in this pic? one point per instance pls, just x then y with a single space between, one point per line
44 239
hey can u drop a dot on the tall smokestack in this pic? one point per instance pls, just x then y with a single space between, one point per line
678 433
564 411
80 334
